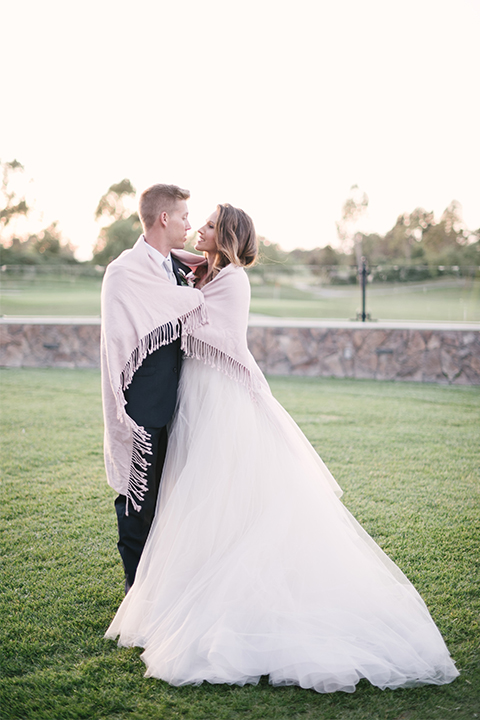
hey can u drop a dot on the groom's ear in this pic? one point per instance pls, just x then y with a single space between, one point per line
163 218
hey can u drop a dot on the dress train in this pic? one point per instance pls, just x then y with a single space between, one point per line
254 567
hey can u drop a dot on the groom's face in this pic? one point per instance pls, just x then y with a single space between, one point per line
178 225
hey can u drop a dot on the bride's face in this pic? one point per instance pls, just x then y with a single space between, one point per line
207 242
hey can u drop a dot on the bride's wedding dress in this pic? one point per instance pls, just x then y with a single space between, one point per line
254 566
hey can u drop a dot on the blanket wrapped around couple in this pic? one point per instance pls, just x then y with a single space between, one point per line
222 343
141 311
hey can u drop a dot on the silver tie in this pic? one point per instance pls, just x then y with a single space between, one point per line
169 271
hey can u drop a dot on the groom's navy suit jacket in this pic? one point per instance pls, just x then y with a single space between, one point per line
152 394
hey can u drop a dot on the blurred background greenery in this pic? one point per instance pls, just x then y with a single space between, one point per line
76 292
422 269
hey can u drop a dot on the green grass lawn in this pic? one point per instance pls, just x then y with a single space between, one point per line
50 295
460 302
80 296
407 456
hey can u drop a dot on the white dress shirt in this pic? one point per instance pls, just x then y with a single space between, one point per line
164 262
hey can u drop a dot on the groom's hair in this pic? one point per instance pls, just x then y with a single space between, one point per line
157 199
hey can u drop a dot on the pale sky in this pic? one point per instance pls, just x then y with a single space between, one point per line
276 107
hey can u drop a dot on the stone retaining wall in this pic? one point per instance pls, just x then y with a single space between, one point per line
378 352
51 344
441 356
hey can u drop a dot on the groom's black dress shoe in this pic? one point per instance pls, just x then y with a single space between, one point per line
127 586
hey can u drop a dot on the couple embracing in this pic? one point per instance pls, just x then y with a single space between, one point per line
240 559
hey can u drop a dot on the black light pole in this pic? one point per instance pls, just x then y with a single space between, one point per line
363 282
364 288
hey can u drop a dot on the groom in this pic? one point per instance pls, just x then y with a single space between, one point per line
151 394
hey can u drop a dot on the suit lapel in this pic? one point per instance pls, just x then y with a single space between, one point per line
176 265
175 270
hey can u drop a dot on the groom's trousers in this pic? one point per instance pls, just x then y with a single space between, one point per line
134 528
151 399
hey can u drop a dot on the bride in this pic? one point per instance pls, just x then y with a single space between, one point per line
253 565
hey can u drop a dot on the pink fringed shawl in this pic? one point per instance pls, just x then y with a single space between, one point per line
141 311
223 342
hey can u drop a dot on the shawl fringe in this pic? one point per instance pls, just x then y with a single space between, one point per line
163 335
199 349
137 485
141 439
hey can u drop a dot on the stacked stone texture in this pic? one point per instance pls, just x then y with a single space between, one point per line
49 345
441 356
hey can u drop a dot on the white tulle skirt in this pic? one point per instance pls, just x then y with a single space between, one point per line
254 567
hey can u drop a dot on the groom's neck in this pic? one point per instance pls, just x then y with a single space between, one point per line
158 241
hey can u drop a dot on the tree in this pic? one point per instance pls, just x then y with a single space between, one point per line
52 247
124 226
11 205
116 238
319 259
353 210
443 241
114 204
46 246
396 244
372 248
417 239
452 219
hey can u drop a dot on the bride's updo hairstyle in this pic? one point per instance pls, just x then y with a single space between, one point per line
236 238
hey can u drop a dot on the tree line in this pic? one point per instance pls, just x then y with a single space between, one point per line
416 247
16 248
